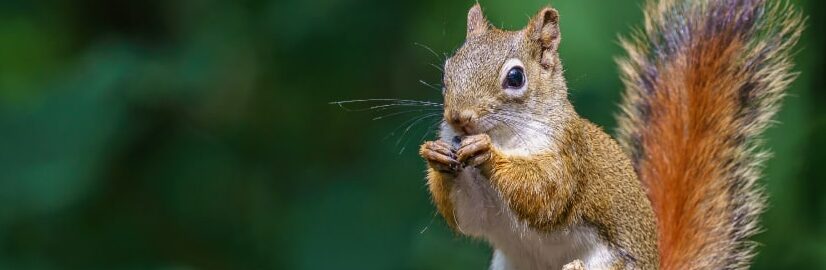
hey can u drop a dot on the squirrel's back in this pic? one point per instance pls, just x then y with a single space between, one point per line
703 80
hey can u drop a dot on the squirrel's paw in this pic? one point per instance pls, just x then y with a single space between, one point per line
575 265
474 150
440 156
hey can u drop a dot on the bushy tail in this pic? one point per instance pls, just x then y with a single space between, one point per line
703 80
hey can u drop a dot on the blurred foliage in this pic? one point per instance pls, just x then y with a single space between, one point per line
198 135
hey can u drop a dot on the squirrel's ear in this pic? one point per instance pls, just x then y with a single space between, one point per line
544 29
476 22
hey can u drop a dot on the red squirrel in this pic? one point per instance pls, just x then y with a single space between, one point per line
516 166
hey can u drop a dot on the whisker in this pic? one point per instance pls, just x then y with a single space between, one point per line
429 223
430 129
520 123
404 112
511 128
427 131
521 119
384 100
379 108
392 106
432 86
514 125
430 110
522 112
411 126
519 116
405 123
430 50
392 103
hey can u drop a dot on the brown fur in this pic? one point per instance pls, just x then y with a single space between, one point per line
582 177
440 187
589 180
692 113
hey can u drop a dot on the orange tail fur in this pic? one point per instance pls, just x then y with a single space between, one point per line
703 80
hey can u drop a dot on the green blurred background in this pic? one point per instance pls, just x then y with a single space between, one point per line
197 134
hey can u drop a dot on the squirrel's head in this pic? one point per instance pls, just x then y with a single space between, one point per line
505 81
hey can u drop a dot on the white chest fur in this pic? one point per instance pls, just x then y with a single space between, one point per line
481 212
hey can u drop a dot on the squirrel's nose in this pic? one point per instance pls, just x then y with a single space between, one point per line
461 119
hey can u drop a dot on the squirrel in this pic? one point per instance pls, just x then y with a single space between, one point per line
516 166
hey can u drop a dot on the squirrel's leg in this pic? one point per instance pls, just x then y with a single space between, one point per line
536 188
442 170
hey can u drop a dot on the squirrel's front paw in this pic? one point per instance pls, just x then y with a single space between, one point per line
474 150
440 156
575 265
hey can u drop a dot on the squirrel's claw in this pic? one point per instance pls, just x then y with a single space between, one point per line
440 156
474 150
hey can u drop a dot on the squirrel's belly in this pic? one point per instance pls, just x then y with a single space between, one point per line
481 212
478 208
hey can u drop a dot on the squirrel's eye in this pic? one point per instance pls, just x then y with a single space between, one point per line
514 79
